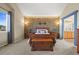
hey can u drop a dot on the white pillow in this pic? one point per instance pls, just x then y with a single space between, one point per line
42 31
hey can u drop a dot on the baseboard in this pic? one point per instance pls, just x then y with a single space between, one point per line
3 44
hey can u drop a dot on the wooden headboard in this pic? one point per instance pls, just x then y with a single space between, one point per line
41 27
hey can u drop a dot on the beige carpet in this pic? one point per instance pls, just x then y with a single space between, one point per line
62 47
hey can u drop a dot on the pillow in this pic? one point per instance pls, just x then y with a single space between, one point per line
42 31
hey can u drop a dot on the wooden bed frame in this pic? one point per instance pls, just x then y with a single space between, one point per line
43 42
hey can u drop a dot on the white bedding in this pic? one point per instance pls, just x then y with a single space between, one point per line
42 31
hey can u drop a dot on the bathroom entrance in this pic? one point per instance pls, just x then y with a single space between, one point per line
69 29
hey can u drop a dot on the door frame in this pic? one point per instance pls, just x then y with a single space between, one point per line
75 25
10 33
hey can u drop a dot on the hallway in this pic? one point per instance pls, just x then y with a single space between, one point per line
22 48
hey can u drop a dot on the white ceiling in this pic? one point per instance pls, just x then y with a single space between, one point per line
41 9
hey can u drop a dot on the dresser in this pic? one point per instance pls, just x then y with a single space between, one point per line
78 40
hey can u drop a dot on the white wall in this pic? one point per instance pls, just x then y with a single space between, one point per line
18 23
60 29
3 38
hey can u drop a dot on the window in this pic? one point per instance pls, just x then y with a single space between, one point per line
3 21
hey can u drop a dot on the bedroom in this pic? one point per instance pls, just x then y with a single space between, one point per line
39 20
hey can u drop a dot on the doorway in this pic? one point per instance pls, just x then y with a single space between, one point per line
69 27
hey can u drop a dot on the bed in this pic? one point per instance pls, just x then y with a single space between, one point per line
42 39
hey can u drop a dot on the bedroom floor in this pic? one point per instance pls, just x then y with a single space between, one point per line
62 47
